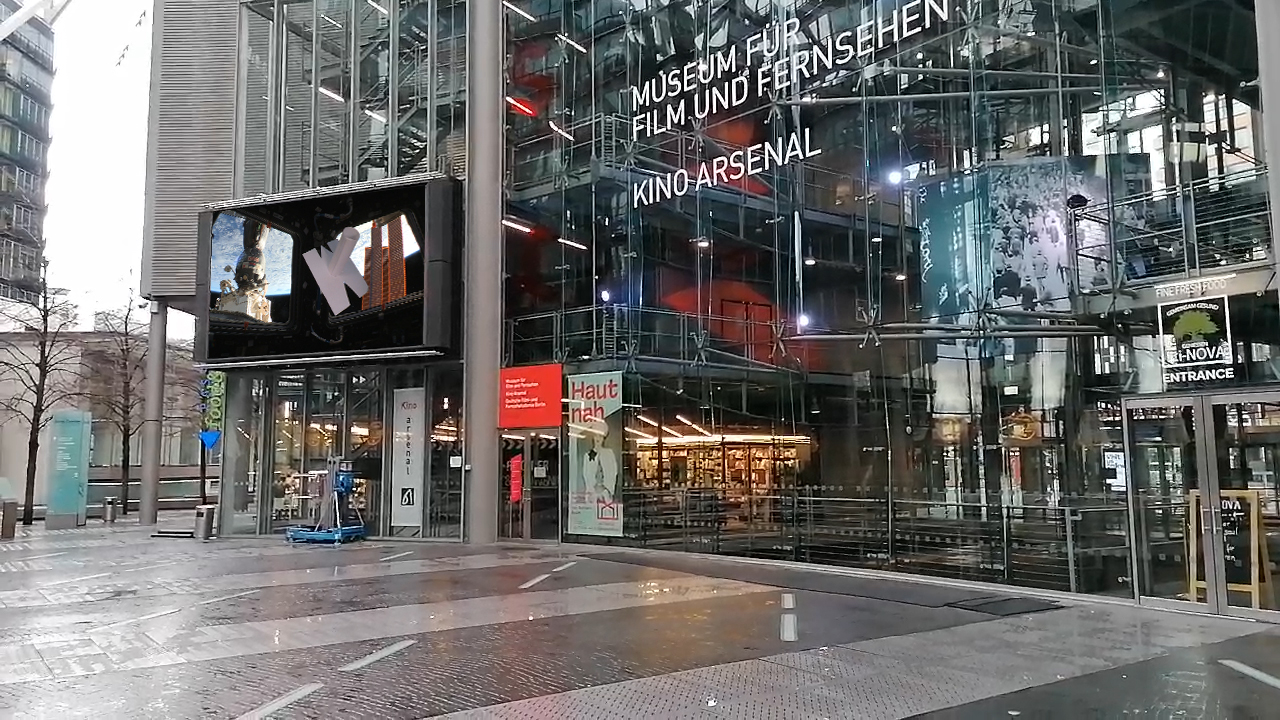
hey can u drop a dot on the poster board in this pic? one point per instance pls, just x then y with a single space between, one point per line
1246 562
595 448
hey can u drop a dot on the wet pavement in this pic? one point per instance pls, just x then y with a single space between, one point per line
112 623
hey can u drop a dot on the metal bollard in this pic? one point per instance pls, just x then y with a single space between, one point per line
205 515
8 519
109 510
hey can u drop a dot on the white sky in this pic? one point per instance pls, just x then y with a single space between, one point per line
97 159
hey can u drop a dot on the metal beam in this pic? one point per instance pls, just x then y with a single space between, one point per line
914 97
52 8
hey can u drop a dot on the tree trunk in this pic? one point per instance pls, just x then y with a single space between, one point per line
33 455
124 470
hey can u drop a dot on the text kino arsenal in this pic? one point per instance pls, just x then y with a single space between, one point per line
589 399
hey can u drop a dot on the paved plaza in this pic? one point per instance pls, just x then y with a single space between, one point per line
113 623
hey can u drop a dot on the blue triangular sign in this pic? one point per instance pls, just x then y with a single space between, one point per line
210 438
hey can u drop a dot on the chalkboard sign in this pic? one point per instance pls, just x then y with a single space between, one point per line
1246 563
1237 531
1237 526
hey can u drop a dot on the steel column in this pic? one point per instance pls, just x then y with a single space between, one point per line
486 140
153 414
1267 21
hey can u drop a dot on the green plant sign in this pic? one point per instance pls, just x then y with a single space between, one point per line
1195 339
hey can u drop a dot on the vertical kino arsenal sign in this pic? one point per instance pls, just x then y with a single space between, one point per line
769 64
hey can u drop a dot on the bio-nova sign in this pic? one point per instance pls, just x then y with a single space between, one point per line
1195 341
776 62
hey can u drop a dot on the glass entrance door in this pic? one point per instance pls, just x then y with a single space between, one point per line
1247 439
1203 480
1163 449
530 504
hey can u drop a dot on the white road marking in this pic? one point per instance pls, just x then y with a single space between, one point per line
211 601
141 618
264 711
535 581
788 601
68 581
1254 673
149 567
565 566
39 557
389 558
787 632
375 657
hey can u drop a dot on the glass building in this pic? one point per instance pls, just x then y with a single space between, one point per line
981 289
26 76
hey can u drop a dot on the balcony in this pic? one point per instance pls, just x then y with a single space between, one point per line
1206 229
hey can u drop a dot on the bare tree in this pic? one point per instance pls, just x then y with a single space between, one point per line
42 359
117 359
183 405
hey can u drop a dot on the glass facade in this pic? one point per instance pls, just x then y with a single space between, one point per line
26 74
282 427
908 284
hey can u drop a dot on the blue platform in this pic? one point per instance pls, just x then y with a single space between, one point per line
332 536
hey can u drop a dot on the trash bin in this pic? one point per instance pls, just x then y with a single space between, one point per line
8 519
109 510
204 521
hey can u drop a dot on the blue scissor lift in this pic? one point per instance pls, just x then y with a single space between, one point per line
338 521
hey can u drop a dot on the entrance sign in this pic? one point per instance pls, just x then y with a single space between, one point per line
1247 564
595 447
1195 341
69 481
530 397
408 444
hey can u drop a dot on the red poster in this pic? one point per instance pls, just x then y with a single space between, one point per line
517 478
530 397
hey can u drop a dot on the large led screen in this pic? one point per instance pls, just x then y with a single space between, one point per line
334 273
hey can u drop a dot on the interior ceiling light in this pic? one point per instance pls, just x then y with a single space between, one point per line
640 433
810 261
900 277
673 432
556 129
516 226
572 244
330 94
376 116
518 11
570 42
646 420
521 107
692 424
376 6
